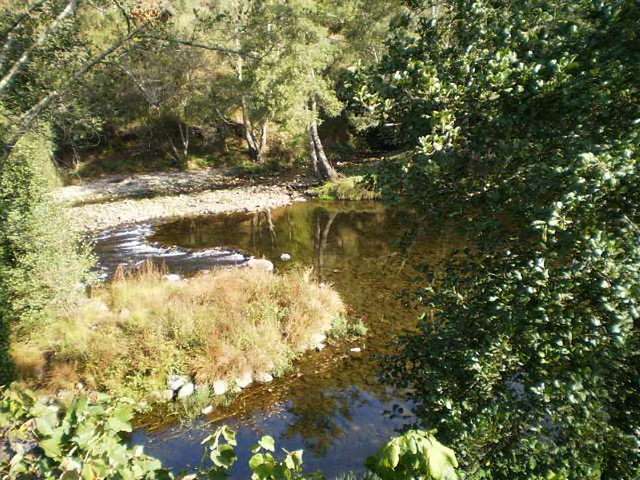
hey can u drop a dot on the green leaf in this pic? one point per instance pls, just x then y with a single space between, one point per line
268 443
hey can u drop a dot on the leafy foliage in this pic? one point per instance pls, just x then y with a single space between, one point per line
414 455
526 359
79 440
82 439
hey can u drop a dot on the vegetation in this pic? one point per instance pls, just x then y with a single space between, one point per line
526 360
82 439
346 188
136 331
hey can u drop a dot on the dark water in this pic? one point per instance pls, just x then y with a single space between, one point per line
332 405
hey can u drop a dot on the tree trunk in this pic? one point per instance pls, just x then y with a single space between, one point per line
321 164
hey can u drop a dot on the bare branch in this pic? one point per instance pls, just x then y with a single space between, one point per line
24 58
205 47
27 119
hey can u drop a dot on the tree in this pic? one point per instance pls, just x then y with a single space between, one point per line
526 357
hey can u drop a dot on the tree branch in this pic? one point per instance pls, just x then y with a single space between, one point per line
24 58
205 47
5 35
27 119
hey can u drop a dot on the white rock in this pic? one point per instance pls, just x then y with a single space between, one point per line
174 382
356 350
207 410
173 277
260 264
162 395
285 257
220 387
244 380
318 338
186 391
263 377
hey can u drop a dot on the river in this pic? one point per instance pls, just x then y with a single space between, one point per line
332 404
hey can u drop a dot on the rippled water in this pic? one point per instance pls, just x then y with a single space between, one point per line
332 405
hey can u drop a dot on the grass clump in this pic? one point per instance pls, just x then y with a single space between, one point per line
141 328
346 188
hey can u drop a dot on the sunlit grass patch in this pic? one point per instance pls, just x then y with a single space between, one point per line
141 328
346 188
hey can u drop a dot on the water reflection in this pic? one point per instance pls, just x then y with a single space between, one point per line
332 404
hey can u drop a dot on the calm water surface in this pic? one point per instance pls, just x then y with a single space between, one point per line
332 404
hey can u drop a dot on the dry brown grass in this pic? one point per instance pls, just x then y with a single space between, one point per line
141 328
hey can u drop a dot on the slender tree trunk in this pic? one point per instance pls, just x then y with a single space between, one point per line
321 164
24 58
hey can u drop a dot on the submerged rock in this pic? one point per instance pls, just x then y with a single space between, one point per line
186 391
175 382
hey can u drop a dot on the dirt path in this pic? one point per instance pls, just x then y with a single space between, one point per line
110 202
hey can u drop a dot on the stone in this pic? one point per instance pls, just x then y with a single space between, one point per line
162 395
260 264
186 391
244 380
173 277
285 257
207 410
318 338
263 377
220 387
175 382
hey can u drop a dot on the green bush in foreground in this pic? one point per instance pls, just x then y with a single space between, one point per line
82 439
41 264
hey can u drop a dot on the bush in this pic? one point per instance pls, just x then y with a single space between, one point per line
42 266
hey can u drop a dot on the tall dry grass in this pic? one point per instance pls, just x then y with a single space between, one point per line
140 328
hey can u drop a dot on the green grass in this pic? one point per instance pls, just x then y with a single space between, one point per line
141 328
346 188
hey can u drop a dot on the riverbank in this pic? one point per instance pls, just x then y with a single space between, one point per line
115 201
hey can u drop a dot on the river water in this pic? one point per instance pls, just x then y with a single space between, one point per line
332 404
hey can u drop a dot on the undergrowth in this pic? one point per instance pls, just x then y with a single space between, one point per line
346 188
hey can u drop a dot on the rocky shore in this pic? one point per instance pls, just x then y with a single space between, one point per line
108 203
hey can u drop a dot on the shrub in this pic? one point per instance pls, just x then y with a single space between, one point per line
42 265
